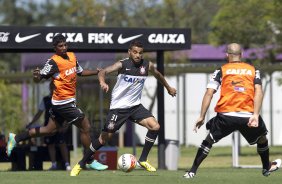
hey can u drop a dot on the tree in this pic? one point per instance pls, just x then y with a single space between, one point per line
11 107
242 21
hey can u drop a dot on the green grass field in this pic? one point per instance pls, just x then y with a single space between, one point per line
217 168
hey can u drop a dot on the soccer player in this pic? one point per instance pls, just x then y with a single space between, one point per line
237 109
126 103
56 139
63 68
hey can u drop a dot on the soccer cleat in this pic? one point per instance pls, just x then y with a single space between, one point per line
146 165
75 170
274 167
189 174
96 166
11 143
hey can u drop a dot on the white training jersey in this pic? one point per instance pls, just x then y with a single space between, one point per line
130 82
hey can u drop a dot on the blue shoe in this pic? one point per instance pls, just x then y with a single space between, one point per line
11 143
96 166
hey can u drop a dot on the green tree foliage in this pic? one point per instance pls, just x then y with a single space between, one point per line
11 107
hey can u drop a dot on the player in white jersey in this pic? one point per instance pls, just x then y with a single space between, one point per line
126 103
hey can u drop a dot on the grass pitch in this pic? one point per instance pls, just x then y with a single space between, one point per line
205 175
216 169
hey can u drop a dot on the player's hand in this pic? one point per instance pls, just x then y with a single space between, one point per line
36 75
253 121
172 91
104 87
198 124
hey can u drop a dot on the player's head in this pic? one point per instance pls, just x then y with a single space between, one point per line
60 44
135 51
233 52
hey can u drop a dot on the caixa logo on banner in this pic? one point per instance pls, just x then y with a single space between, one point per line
98 38
4 36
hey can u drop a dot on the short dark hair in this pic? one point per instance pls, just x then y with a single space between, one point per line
135 44
58 39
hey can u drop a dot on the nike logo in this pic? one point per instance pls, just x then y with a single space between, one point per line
20 39
127 69
122 40
234 83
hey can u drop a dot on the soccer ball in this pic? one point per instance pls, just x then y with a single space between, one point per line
127 162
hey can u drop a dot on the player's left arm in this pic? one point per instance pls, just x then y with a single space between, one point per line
84 72
258 98
161 79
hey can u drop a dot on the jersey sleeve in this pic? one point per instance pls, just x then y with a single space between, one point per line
79 68
49 69
257 79
215 79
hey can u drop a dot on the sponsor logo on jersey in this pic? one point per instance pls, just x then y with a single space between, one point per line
46 69
167 38
4 36
234 83
239 89
241 71
134 80
142 70
70 71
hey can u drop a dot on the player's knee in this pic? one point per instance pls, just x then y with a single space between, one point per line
262 140
156 127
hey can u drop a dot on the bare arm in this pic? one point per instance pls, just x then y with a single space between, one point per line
161 79
204 108
253 121
102 74
90 72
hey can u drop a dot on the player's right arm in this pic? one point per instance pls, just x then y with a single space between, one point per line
49 69
212 87
204 108
101 75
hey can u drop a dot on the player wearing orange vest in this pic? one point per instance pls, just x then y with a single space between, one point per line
63 69
238 108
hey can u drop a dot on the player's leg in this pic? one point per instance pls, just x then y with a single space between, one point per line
52 155
13 139
202 153
153 129
145 118
219 127
59 139
258 136
114 121
90 151
85 138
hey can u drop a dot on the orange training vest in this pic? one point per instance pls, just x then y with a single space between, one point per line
65 82
237 88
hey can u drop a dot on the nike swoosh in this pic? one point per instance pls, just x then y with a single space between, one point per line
122 40
19 39
234 83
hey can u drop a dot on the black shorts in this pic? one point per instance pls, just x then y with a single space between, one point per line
66 112
221 125
117 117
58 138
